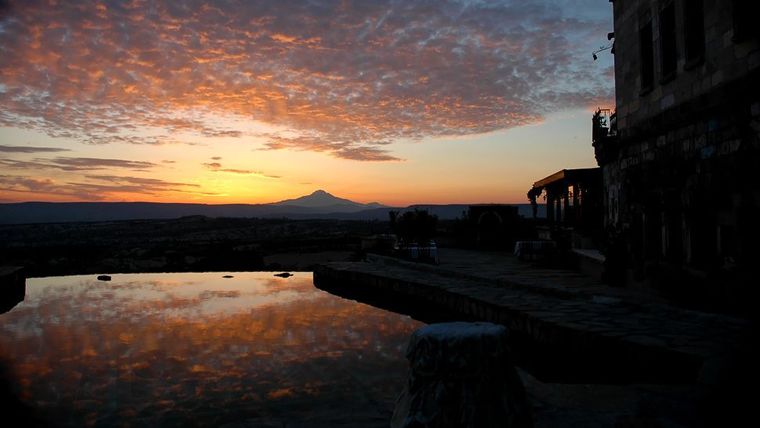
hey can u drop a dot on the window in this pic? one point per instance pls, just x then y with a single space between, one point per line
743 19
726 240
646 56
668 52
694 24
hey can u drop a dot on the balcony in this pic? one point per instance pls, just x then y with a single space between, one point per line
604 134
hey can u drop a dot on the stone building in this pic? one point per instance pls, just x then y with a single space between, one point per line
679 157
494 225
572 197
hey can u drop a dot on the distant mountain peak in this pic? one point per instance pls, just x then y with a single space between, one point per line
321 199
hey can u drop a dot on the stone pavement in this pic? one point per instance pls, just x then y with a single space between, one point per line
505 269
568 327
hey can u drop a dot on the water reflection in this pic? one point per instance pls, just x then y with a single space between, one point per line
199 349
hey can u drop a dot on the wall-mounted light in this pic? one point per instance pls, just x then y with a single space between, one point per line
603 48
611 46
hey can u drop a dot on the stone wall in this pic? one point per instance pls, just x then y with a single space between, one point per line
681 189
695 171
724 60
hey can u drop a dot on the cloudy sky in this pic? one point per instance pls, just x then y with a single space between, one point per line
399 102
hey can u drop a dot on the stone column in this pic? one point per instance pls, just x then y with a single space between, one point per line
577 216
549 208
461 375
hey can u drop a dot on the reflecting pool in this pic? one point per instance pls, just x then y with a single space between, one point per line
197 349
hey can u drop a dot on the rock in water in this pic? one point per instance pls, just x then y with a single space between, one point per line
461 375
284 275
104 277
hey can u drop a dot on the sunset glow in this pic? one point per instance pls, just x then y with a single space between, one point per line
451 101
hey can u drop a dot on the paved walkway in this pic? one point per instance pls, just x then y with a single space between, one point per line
558 309
507 270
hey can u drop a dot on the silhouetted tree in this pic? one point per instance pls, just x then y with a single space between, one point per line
413 226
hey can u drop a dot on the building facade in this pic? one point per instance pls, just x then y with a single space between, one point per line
679 157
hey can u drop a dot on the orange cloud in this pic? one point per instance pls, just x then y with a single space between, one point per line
92 187
344 77
216 166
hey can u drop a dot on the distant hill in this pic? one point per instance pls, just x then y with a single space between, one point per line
318 205
444 212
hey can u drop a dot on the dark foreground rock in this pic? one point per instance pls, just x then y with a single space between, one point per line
461 375
12 287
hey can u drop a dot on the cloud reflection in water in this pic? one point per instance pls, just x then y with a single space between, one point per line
197 349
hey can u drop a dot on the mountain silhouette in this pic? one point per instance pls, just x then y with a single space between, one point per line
323 200
319 204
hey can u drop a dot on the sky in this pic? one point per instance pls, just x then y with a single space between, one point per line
390 101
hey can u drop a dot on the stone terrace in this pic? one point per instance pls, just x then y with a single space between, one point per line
565 327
